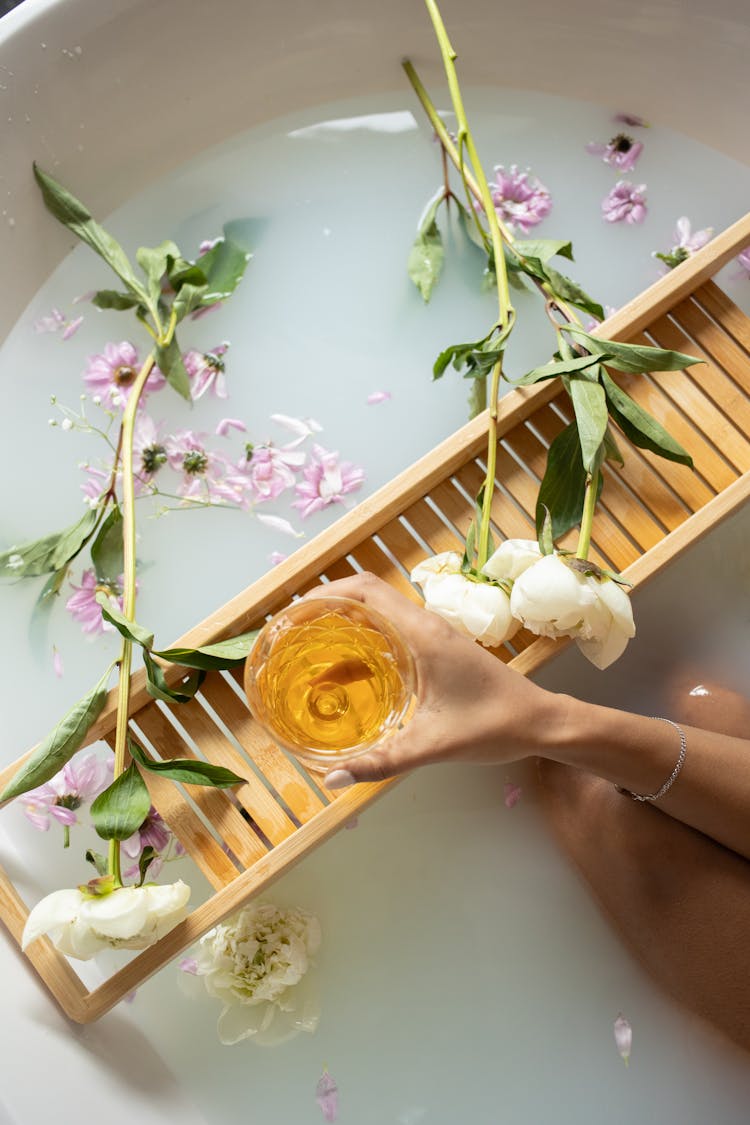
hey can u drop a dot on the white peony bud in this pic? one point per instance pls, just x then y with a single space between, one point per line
477 609
512 558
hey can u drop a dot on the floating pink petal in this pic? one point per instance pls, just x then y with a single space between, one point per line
208 244
57 663
632 120
188 965
277 557
743 262
271 471
72 327
52 322
227 424
327 481
327 1097
278 523
626 202
377 397
512 794
623 1037
520 199
302 428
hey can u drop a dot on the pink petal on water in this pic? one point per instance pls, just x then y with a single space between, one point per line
327 1097
353 823
227 424
623 1037
57 663
277 557
512 794
377 397
72 327
632 120
188 965
278 523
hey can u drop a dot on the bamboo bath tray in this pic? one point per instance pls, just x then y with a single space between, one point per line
651 510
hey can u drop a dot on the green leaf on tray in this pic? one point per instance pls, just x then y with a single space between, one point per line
51 553
223 654
633 358
189 771
590 406
158 688
637 425
131 630
564 484
557 367
60 744
121 809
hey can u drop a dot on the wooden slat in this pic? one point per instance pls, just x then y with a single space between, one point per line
723 309
431 528
370 557
272 763
215 806
402 543
511 520
252 794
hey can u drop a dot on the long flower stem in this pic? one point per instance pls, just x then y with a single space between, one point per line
129 568
587 519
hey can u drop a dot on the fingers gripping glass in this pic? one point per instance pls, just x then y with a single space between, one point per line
329 678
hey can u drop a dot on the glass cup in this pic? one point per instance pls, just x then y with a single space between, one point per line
329 678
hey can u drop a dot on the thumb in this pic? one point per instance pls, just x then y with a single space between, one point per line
402 751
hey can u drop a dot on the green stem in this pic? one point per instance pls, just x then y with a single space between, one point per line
587 519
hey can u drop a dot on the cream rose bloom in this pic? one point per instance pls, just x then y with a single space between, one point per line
81 925
479 610
553 600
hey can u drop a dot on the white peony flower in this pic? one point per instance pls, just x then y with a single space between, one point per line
80 925
476 609
512 558
256 963
554 600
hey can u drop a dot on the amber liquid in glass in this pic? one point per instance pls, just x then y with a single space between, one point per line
330 684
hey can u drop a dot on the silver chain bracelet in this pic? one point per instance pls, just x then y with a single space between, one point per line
673 775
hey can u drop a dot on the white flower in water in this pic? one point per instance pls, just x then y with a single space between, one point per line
554 600
256 963
80 925
477 609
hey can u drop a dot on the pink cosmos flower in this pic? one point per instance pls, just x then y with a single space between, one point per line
95 484
83 607
520 199
743 262
207 477
111 374
327 481
206 371
621 152
84 777
271 471
154 833
149 452
625 203
685 243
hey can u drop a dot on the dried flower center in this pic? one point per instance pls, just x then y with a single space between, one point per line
214 361
69 801
622 143
124 375
195 462
153 457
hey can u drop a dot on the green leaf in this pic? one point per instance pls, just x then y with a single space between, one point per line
224 265
60 744
223 654
636 359
154 261
113 299
51 588
480 240
158 688
189 298
121 809
106 550
131 630
169 361
543 248
189 771
572 292
477 357
611 448
557 367
477 401
98 860
181 272
564 484
76 217
427 254
544 538
590 406
145 859
637 425
41 556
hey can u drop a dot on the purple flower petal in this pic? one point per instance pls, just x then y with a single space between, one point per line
277 557
512 794
327 1097
57 663
278 523
623 1037
72 327
227 424
188 965
626 202
377 397
632 120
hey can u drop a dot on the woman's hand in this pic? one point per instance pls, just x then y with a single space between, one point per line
470 707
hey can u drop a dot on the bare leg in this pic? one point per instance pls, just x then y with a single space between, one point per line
680 901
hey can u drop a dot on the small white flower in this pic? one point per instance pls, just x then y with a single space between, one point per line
15 561
256 963
67 424
553 600
80 925
512 558
479 610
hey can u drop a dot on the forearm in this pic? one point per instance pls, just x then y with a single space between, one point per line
710 793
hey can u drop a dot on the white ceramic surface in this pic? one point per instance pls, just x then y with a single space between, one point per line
514 1034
